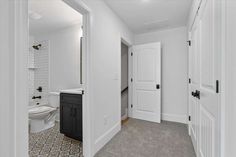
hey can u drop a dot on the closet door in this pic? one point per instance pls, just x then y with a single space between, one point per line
209 74
205 72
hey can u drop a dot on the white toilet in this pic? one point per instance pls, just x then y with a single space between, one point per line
42 117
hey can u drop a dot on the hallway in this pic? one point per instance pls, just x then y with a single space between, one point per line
145 139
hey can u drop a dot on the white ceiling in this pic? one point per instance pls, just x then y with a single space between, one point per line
55 14
149 15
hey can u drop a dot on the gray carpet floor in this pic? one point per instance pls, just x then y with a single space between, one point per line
145 139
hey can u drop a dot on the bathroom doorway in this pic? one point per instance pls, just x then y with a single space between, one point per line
124 82
56 64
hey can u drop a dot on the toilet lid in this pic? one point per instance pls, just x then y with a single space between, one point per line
40 109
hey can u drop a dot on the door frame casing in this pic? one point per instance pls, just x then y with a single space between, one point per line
14 78
124 40
16 72
83 9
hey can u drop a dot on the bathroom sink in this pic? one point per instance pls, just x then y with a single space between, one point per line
73 91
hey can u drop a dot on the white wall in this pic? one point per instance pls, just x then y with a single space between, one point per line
106 32
64 57
41 73
174 71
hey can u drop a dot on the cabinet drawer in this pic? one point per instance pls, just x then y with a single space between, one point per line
71 98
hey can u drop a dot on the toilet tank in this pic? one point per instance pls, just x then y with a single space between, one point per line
54 99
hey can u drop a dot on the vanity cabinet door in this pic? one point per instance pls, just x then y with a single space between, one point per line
71 115
66 118
78 120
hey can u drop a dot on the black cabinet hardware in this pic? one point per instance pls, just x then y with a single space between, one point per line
157 86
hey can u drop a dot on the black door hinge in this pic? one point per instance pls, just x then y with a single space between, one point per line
82 92
131 80
131 105
131 53
189 118
217 86
189 80
189 42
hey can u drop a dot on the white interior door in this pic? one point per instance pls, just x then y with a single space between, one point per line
209 74
205 72
194 86
147 82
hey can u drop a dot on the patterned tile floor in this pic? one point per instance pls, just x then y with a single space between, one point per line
50 143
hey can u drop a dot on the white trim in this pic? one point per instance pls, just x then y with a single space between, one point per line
125 41
130 96
82 8
106 137
174 118
223 80
14 78
189 84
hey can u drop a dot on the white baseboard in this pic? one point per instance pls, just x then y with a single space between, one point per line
102 140
174 118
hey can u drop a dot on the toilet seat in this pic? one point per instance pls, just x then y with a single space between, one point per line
40 111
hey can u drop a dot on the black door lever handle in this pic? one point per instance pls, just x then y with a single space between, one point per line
196 94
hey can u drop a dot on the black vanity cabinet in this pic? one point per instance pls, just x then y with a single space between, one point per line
71 115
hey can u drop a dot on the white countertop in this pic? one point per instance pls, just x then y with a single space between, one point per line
72 91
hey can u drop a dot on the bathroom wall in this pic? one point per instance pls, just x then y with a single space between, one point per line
56 65
64 57
41 75
38 65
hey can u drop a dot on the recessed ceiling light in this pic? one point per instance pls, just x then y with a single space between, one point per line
35 16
